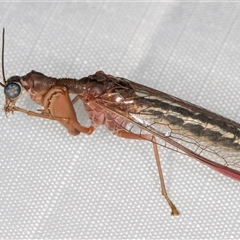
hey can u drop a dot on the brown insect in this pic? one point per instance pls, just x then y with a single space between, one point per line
133 111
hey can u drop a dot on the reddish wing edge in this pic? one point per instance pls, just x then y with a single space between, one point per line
229 172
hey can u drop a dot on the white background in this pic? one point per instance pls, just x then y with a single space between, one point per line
53 185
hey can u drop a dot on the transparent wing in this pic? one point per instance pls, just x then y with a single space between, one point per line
180 126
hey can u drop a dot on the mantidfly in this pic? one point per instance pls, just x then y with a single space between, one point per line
133 111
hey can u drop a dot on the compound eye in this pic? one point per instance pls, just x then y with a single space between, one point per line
12 90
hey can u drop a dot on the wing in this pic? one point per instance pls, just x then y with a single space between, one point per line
179 125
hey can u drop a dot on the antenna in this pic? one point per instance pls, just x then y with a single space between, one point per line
3 74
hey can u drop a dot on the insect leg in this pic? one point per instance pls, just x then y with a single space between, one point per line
129 135
72 122
75 100
164 191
